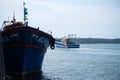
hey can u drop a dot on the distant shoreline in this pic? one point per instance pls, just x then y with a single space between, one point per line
97 41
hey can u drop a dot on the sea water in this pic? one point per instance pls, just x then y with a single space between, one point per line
89 62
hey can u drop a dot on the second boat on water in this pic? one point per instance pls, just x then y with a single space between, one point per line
70 42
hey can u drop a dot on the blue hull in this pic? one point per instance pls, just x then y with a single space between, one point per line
24 49
73 46
67 46
21 60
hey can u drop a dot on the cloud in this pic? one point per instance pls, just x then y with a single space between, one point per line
65 17
49 8
88 13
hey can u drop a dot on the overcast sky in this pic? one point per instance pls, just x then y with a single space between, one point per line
86 18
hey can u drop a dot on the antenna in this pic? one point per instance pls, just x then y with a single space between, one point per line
25 14
13 18
8 18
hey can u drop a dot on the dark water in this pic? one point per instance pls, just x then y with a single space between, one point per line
89 62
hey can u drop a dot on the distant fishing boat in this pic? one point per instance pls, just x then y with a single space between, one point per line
70 42
24 46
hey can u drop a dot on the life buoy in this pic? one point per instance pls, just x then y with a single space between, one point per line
52 44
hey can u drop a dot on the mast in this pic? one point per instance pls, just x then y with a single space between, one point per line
14 20
25 14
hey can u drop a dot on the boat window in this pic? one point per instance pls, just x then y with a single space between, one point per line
44 41
14 38
34 38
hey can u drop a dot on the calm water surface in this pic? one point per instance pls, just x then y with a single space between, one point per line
89 62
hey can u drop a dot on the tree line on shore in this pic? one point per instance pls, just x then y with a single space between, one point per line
97 41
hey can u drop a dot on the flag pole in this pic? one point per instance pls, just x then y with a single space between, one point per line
25 14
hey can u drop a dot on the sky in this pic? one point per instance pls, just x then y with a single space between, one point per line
85 18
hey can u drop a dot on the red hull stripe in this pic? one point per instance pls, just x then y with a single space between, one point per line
25 46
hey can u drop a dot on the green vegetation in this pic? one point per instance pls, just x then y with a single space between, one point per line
98 41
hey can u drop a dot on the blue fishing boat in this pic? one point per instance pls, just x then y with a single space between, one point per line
24 46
